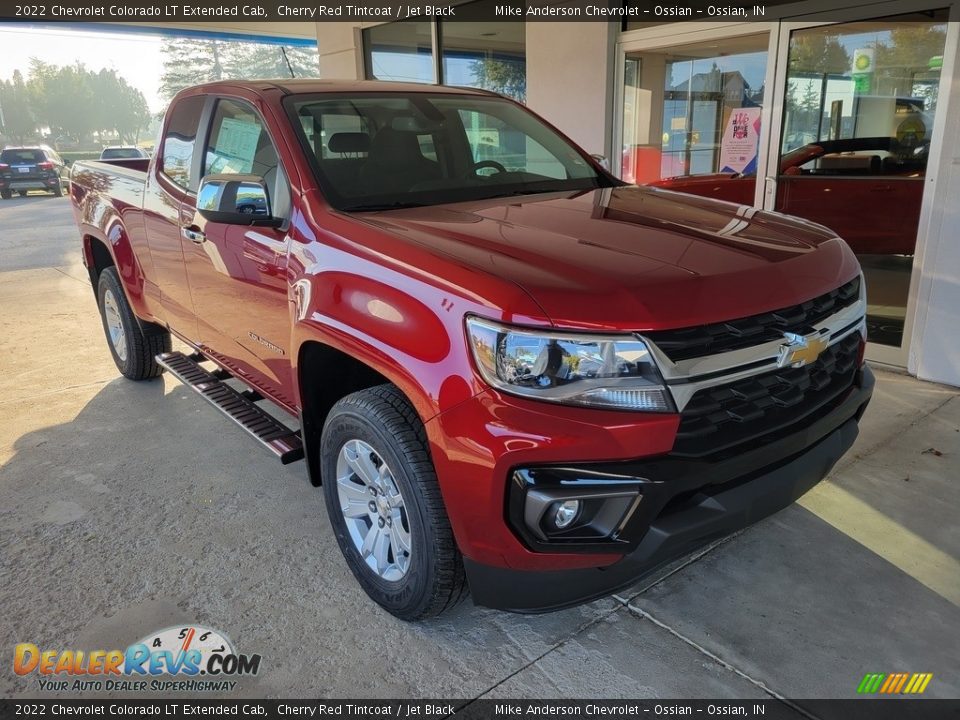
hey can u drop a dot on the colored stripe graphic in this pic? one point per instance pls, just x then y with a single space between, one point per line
870 683
894 683
900 684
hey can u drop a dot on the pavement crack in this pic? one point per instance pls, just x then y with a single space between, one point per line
590 623
859 455
54 392
72 277
682 566
643 614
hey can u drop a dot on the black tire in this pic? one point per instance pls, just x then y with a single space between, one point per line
6 194
58 190
143 340
382 418
22 193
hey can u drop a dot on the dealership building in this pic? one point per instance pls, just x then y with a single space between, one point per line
657 99
847 115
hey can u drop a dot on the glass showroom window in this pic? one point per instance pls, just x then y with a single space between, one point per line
860 103
480 54
401 51
694 110
487 55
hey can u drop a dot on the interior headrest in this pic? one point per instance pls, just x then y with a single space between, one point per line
349 142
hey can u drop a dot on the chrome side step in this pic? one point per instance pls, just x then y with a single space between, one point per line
238 406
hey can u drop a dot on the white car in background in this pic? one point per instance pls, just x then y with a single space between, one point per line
123 152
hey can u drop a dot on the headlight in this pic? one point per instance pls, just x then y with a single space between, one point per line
604 371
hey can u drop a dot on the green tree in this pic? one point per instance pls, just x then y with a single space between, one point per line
815 51
122 110
64 98
190 61
503 76
16 106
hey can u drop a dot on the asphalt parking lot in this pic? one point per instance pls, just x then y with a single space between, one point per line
130 507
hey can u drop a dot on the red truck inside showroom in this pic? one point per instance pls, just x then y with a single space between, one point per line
508 370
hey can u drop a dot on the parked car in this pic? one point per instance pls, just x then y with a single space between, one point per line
542 385
122 152
831 182
30 168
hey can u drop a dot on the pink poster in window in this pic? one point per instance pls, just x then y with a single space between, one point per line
741 141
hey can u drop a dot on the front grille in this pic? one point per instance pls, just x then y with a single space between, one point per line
762 406
723 337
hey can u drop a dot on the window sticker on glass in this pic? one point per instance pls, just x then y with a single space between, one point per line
236 146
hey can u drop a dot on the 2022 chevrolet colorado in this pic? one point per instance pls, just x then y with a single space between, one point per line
509 369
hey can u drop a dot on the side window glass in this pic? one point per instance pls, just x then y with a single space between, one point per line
181 136
239 144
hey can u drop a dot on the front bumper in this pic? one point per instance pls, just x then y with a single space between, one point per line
690 503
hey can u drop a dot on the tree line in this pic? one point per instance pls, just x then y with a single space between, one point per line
71 101
190 61
75 104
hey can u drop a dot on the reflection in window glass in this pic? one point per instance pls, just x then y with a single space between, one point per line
694 110
702 96
398 151
499 144
858 116
399 51
179 140
488 55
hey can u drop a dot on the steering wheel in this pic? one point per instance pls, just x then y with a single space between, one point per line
488 164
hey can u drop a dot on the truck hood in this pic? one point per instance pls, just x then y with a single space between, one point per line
632 258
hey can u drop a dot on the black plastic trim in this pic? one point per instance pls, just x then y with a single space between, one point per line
699 502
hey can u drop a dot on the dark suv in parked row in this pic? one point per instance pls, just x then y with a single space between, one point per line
30 168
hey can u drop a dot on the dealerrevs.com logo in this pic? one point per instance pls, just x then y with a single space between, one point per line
191 658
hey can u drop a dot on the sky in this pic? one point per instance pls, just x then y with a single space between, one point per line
135 56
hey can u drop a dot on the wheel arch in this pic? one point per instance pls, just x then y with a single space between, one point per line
98 257
325 374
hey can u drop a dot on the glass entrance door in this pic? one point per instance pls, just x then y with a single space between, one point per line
692 115
858 111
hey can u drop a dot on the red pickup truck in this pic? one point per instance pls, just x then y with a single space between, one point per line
509 370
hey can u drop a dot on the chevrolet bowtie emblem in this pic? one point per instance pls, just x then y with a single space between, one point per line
800 350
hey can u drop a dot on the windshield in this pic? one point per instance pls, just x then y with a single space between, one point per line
380 151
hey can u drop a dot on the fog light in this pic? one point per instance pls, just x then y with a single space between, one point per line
566 513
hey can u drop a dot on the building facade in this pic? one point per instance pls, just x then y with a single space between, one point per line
848 116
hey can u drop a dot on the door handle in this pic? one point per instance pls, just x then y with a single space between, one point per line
193 235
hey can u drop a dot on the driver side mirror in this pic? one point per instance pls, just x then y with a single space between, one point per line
236 200
601 160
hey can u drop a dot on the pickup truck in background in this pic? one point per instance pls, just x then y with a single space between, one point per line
519 375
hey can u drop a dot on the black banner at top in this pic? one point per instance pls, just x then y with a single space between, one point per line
258 11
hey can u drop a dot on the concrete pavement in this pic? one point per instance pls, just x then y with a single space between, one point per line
130 507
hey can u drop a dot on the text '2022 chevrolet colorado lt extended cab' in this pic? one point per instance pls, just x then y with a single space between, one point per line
510 370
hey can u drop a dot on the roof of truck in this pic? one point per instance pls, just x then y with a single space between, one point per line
315 85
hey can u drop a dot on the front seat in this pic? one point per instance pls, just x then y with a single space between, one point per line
396 164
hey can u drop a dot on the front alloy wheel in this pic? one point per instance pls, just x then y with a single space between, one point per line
373 510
